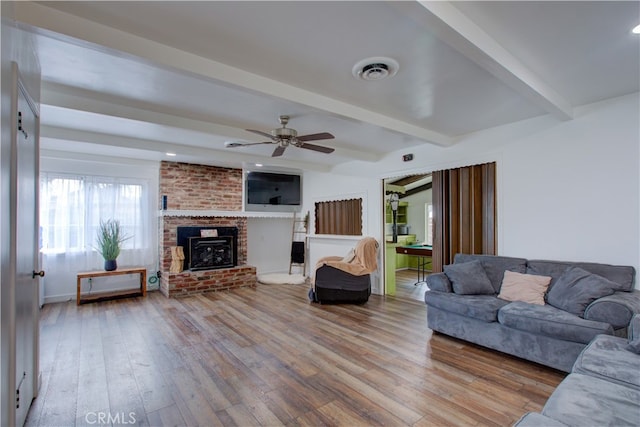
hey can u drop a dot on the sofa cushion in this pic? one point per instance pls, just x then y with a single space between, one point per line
607 357
576 288
550 321
621 274
480 307
468 278
494 266
582 400
524 287
439 282
634 346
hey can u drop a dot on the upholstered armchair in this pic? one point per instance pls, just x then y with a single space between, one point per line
346 279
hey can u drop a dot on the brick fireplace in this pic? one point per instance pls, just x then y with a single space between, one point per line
206 197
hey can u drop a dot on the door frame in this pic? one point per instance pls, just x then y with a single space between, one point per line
385 259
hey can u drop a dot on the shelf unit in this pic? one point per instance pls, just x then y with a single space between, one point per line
401 217
299 232
102 296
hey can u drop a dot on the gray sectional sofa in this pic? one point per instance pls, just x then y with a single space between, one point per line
602 390
579 302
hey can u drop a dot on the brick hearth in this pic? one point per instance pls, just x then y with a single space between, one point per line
209 189
195 282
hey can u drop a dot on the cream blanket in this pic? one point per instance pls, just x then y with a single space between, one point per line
364 262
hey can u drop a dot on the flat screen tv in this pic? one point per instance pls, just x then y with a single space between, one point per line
272 192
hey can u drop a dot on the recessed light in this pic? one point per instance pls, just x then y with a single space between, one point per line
170 154
259 165
636 30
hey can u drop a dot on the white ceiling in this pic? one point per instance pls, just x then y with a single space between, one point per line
138 79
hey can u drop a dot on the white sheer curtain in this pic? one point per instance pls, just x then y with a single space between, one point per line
71 208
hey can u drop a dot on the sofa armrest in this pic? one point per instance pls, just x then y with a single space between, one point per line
617 309
634 328
439 282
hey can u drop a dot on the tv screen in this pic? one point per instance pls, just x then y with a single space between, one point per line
269 191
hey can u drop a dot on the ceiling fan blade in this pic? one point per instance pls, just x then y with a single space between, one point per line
278 151
315 136
234 144
318 148
259 132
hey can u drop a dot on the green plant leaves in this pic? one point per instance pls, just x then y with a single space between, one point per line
109 239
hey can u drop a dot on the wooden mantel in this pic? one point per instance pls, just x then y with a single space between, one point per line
226 214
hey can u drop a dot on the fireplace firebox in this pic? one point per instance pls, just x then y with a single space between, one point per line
208 253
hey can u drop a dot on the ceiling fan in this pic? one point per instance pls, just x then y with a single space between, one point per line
284 137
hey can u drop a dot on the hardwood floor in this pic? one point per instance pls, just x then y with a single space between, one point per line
406 286
266 356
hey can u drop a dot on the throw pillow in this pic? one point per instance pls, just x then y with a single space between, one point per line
524 287
349 256
634 346
576 288
468 278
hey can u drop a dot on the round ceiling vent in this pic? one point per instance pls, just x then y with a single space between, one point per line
376 68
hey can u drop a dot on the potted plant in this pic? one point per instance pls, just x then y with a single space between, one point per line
109 239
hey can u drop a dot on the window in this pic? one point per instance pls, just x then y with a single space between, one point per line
340 217
428 223
72 206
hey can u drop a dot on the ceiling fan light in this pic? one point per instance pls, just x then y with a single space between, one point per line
284 133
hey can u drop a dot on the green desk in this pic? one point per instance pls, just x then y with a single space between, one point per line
424 254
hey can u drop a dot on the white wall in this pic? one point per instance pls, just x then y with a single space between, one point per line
566 190
571 192
322 187
269 244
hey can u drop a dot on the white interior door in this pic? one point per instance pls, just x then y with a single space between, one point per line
26 226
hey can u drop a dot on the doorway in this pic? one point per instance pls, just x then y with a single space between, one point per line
408 225
463 220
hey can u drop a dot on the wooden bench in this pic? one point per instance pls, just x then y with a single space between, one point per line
101 296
